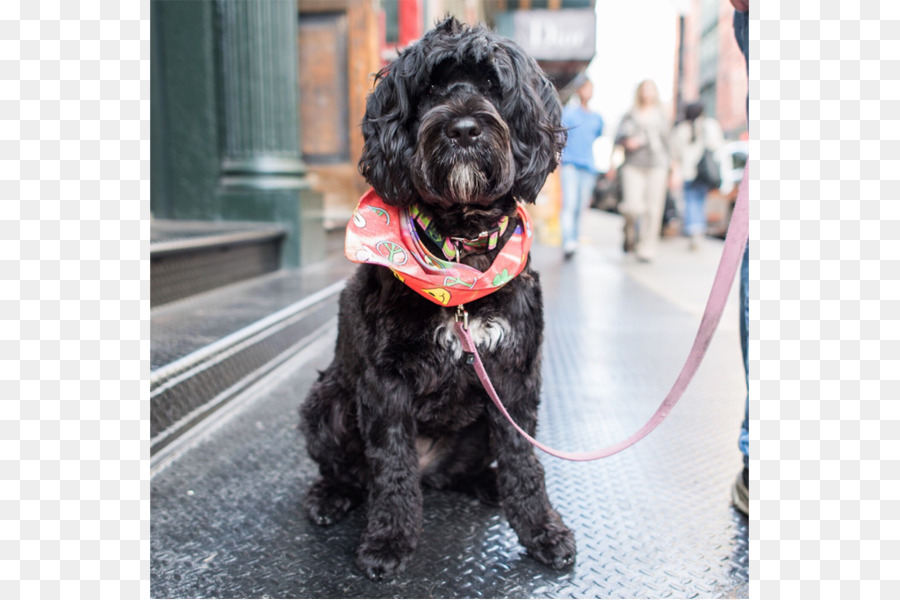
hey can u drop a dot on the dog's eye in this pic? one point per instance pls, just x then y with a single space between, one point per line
432 90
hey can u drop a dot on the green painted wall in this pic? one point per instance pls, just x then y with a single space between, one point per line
189 126
224 119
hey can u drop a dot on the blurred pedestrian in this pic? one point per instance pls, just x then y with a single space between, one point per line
740 493
693 136
644 136
579 174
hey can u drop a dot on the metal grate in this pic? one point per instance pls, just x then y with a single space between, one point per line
653 522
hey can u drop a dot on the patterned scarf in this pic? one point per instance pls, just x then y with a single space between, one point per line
386 235
453 246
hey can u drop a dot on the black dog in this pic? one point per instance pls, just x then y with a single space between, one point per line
463 124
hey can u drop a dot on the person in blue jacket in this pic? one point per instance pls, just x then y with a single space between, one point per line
579 174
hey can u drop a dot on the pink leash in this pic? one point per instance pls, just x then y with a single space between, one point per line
735 241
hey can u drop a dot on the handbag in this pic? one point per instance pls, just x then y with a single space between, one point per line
607 193
708 170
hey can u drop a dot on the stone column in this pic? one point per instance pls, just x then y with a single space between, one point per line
263 177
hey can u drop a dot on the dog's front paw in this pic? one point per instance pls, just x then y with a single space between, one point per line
554 546
326 504
383 559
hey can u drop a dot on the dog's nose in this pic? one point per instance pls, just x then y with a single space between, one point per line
464 131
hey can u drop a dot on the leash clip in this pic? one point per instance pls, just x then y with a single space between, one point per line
462 314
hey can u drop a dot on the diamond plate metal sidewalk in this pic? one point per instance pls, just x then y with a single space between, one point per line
652 522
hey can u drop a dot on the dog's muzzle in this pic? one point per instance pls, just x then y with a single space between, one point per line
463 153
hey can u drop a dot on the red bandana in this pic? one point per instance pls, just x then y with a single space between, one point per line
381 234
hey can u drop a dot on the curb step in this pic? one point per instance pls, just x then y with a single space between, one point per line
208 348
191 257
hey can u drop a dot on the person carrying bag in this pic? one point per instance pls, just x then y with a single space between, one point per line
695 141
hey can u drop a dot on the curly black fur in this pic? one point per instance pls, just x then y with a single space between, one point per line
522 96
398 407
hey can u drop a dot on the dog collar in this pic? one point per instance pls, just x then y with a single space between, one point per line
454 248
386 235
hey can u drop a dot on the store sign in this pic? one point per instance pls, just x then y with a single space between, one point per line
552 34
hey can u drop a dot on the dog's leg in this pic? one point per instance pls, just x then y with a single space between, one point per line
328 421
523 493
394 519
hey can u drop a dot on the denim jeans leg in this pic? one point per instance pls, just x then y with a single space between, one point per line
688 208
742 35
569 181
694 213
586 183
744 440
741 24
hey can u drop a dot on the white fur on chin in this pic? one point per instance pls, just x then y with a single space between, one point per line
465 180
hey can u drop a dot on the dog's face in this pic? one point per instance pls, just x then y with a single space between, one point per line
463 117
463 152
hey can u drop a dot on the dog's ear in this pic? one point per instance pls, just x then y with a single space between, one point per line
533 112
389 142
